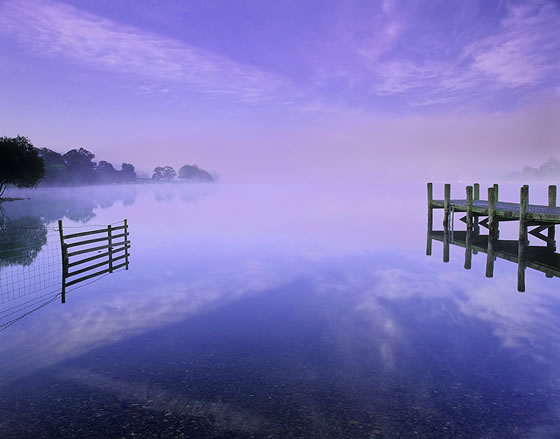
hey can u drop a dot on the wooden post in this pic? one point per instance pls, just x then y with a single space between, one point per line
475 219
521 265
490 258
469 208
110 239
523 241
446 204
430 195
468 244
491 214
64 258
446 240
430 220
429 241
496 200
126 239
446 244
551 229
468 250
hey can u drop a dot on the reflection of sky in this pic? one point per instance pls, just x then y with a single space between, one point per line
328 281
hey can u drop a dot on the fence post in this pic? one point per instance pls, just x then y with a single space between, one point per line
64 257
109 235
126 242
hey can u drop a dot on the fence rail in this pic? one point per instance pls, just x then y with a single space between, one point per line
84 246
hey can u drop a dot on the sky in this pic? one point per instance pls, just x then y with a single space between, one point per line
288 91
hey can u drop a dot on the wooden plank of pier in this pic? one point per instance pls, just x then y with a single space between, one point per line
506 211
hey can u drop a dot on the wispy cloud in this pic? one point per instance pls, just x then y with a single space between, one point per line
416 53
430 67
525 50
59 30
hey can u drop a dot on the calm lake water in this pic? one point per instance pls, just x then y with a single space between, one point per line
274 312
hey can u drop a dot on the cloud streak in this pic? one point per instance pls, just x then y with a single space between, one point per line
58 30
525 51
430 67
405 54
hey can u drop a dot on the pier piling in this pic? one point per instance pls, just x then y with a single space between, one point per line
476 191
446 204
446 244
492 226
468 250
551 230
523 240
490 258
469 208
430 220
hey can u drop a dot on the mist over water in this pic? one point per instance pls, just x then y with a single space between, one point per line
282 311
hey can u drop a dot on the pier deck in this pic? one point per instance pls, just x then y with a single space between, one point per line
505 211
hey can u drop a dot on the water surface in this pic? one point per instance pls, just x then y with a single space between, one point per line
275 312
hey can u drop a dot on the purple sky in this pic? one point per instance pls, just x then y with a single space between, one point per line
287 90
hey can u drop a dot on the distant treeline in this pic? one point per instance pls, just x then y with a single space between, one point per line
77 167
187 172
23 165
549 169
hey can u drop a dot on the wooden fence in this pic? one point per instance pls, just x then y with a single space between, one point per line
111 255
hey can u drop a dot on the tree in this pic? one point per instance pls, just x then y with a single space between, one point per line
164 173
551 168
158 173
20 165
106 173
128 174
194 173
80 165
55 167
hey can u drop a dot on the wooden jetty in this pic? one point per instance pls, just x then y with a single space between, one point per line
489 213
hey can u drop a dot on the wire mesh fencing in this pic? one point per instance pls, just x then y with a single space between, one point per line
29 261
35 265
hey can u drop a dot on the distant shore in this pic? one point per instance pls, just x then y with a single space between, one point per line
7 199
